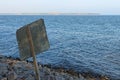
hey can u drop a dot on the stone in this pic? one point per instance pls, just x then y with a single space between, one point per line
52 77
21 71
4 79
30 77
11 75
3 68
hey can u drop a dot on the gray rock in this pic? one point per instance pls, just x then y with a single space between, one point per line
22 70
30 77
11 75
4 79
3 68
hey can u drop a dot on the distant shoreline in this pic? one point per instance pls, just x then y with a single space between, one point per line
50 14
46 14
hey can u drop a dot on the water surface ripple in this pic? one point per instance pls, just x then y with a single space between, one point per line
82 43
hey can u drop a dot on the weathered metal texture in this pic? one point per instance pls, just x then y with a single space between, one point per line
39 38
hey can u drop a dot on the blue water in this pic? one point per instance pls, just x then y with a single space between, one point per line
82 43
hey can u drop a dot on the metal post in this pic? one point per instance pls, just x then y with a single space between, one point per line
33 53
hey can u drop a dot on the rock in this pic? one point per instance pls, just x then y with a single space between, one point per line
81 77
1 77
2 59
3 68
4 79
30 77
21 70
52 77
47 71
11 75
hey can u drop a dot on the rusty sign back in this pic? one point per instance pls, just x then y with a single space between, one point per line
39 38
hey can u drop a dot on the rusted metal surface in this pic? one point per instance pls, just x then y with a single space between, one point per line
39 38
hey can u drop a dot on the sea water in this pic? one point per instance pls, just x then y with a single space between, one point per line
81 43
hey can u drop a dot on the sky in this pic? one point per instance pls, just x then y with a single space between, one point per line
111 7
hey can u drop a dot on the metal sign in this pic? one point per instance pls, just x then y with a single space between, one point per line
32 39
39 39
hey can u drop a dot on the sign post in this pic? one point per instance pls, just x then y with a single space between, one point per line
33 53
32 39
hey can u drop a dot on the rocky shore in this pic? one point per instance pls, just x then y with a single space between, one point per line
14 69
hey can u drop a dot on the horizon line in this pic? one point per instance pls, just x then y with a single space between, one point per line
50 13
55 13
